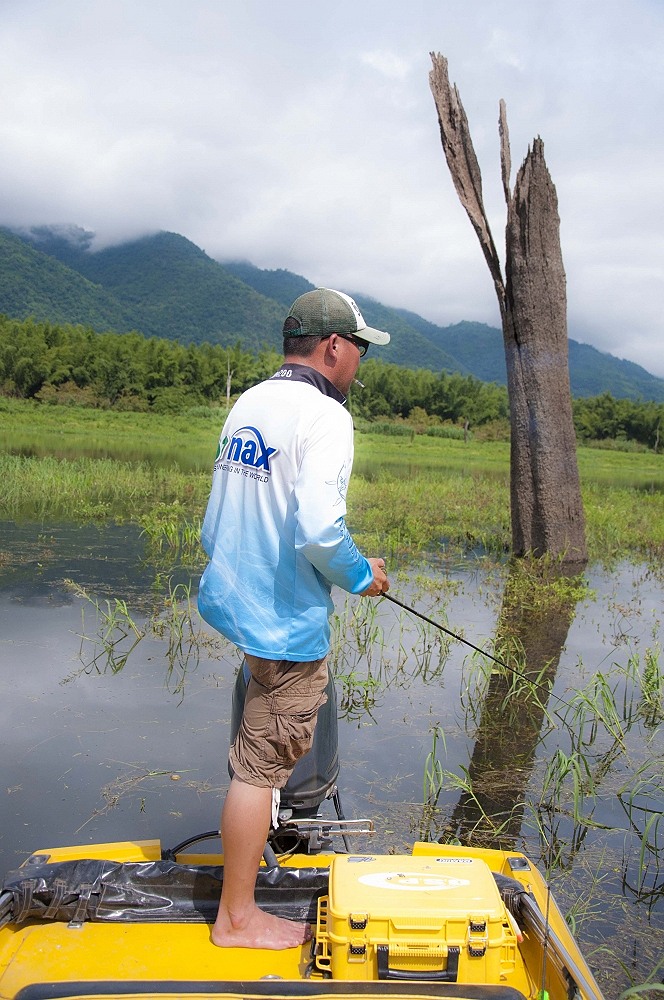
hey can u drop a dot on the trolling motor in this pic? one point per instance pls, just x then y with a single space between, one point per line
313 780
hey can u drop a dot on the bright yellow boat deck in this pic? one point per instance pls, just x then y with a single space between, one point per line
40 959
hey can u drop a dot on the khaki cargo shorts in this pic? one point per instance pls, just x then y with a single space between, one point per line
277 727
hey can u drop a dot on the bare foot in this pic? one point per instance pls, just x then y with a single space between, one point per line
259 930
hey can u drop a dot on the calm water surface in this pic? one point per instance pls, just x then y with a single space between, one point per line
93 755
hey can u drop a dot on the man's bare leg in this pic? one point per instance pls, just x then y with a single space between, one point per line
245 823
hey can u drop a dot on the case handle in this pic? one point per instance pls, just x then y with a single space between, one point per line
448 975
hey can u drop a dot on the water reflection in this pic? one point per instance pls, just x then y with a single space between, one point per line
38 559
532 629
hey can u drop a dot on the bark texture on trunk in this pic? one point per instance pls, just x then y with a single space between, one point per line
545 493
547 512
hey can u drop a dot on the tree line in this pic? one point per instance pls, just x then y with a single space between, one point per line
73 364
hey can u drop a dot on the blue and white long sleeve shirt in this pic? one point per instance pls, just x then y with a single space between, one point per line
274 529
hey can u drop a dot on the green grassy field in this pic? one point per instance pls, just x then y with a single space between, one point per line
407 493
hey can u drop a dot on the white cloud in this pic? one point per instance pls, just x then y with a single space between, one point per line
388 63
502 48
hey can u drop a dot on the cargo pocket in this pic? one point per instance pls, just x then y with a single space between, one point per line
294 724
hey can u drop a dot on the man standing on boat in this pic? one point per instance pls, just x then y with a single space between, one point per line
276 539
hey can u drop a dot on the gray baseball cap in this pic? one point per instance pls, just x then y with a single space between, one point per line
325 311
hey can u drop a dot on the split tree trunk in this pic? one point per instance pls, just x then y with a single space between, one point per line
545 493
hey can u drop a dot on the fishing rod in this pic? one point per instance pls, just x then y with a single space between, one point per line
483 652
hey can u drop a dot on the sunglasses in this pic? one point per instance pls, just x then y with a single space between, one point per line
362 345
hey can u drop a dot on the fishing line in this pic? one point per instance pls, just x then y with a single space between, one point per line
483 652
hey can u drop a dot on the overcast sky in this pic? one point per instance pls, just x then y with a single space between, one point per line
302 134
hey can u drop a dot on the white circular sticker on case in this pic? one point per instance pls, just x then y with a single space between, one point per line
412 881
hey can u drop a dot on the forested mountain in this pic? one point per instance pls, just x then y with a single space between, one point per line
165 286
467 348
407 347
282 286
162 286
479 348
34 284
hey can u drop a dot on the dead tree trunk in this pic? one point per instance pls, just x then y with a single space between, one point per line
545 493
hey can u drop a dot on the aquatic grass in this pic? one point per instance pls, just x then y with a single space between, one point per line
114 626
508 685
369 656
476 674
356 636
432 785
172 536
95 489
430 651
439 509
653 982
422 511
422 655
588 905
433 770
477 826
644 786
115 635
527 693
560 771
643 691
366 631
178 623
124 786
540 586
640 988
593 709
652 689
562 837
650 849
355 631
359 696
623 519
357 643
596 721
